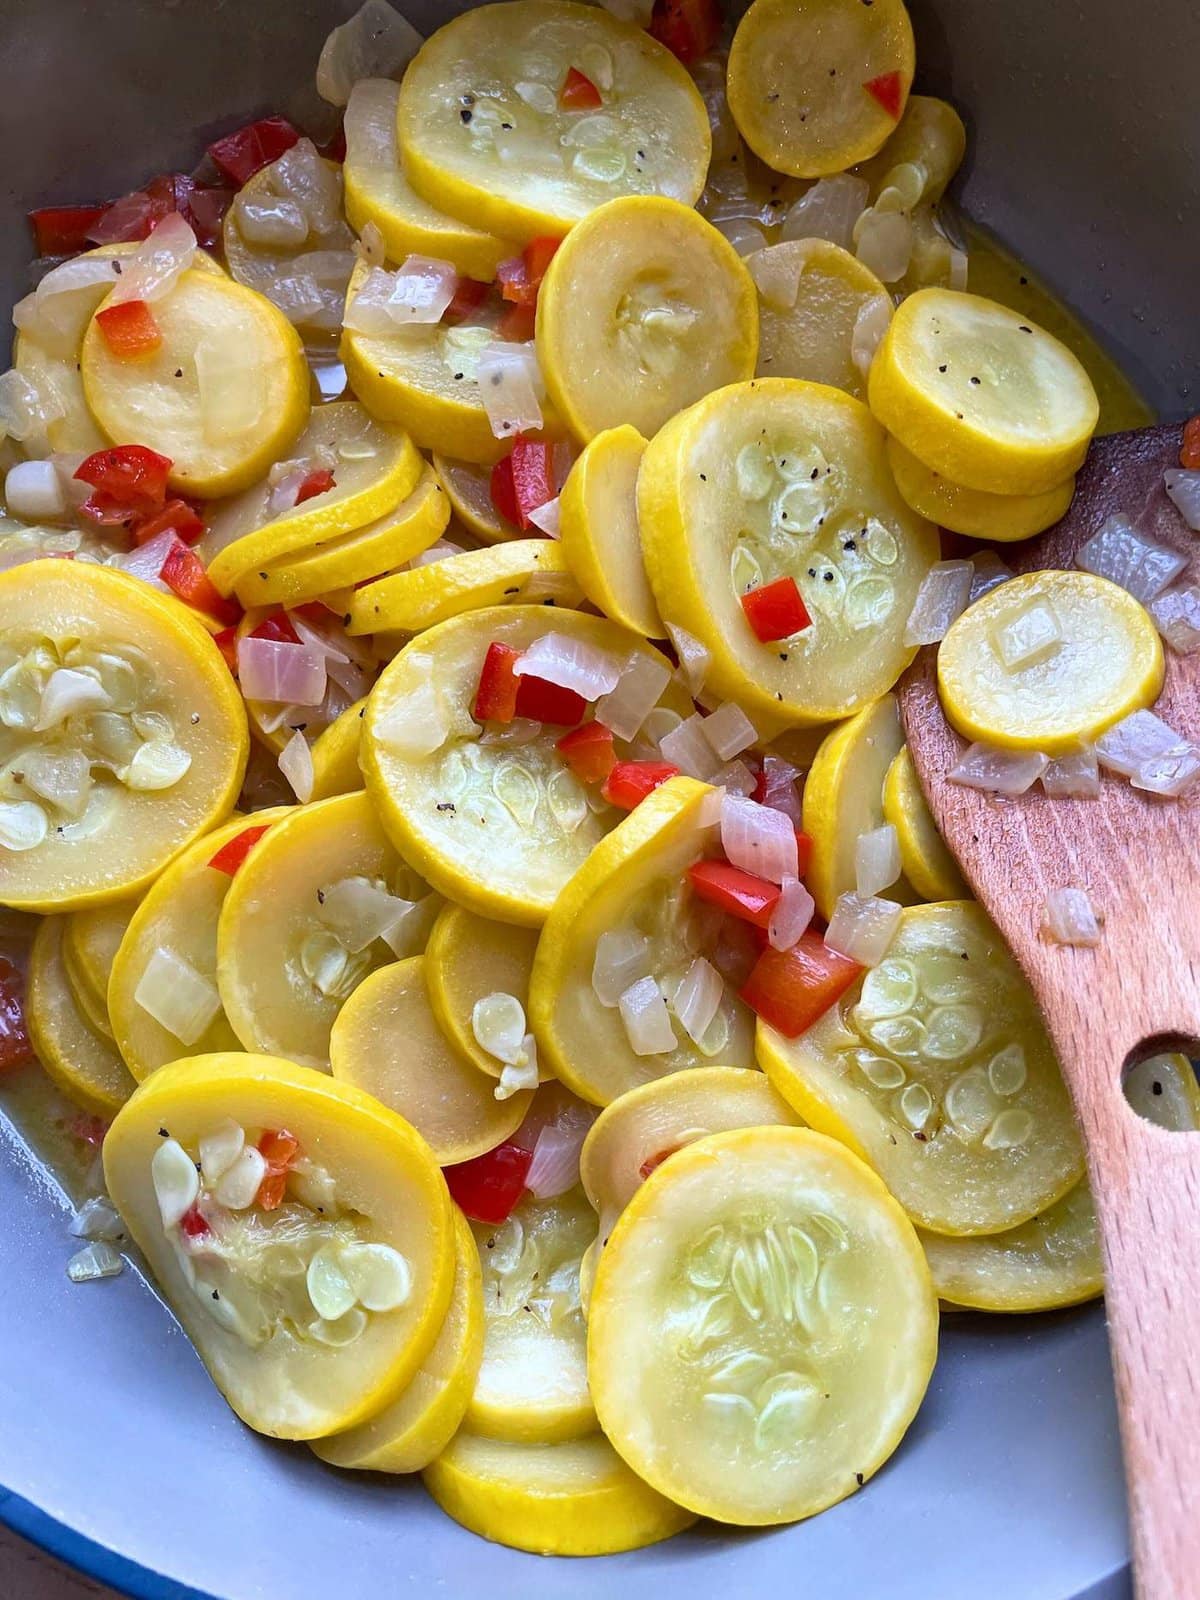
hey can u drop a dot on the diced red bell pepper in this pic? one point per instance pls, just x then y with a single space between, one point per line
231 854
280 1150
89 1130
743 894
520 277
248 150
1189 451
277 627
504 491
775 610
63 230
469 295
496 696
130 478
177 515
319 481
790 989
578 92
588 751
193 1224
129 329
652 1163
205 208
688 28
183 571
518 324
489 1188
226 643
888 90
629 782
804 848
14 1039
542 701
532 466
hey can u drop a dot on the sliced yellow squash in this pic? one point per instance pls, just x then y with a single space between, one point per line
469 957
924 858
599 529
91 940
85 1066
998 517
521 572
812 298
469 489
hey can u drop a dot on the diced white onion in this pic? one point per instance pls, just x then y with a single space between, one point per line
876 860
275 669
736 777
304 176
370 247
180 999
1176 611
329 640
421 291
56 315
416 724
145 561
791 916
1123 555
69 692
1172 773
943 597
1073 777
758 839
360 911
883 242
622 957
24 410
521 730
296 764
1070 918
220 1148
646 1018
1183 486
863 929
634 696
437 552
870 324
747 238
697 998
570 663
97 1260
694 658
989 572
779 786
729 730
409 934
377 42
176 1181
555 1165
34 492
63 779
547 518
270 220
511 388
828 210
239 1185
1007 772
498 1023
1138 738
97 1218
687 748
1027 634
158 263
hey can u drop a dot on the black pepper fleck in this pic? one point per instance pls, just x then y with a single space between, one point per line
445 805
320 897
1156 1088
975 380
179 372
466 114
941 369
163 1134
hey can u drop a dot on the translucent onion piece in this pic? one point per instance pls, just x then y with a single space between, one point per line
296 764
989 572
829 210
747 238
1125 556
622 957
97 1260
158 263
697 998
570 663
876 860
1176 611
377 42
437 552
416 724
736 777
370 247
57 313
646 1018
634 696
863 928
24 410
1173 773
221 1148
511 388
34 492
230 389
694 658
729 730
1073 777
1009 772
369 312
779 784
301 174
1138 738
758 839
547 518
97 1218
498 1023
274 669
792 915
870 325
883 242
421 290
1069 918
180 999
521 730
270 220
63 779
408 935
176 1181
360 911
1183 486
329 640
688 749
1027 634
943 597
69 692
555 1165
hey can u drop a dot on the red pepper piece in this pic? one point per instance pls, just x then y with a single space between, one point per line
588 751
63 230
775 610
319 481
276 627
496 696
518 323
280 1150
743 894
129 329
504 491
14 1039
532 466
652 1163
542 701
804 847
193 1225
775 786
629 782
469 295
489 1188
131 476
578 92
205 209
688 28
226 643
790 989
234 851
1189 451
183 571
89 1130
177 515
520 277
888 89
248 150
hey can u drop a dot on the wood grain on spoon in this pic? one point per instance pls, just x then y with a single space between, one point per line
1138 857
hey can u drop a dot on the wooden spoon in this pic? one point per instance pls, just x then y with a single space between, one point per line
1138 858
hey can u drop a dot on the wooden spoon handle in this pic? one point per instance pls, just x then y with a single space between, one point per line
1146 1183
